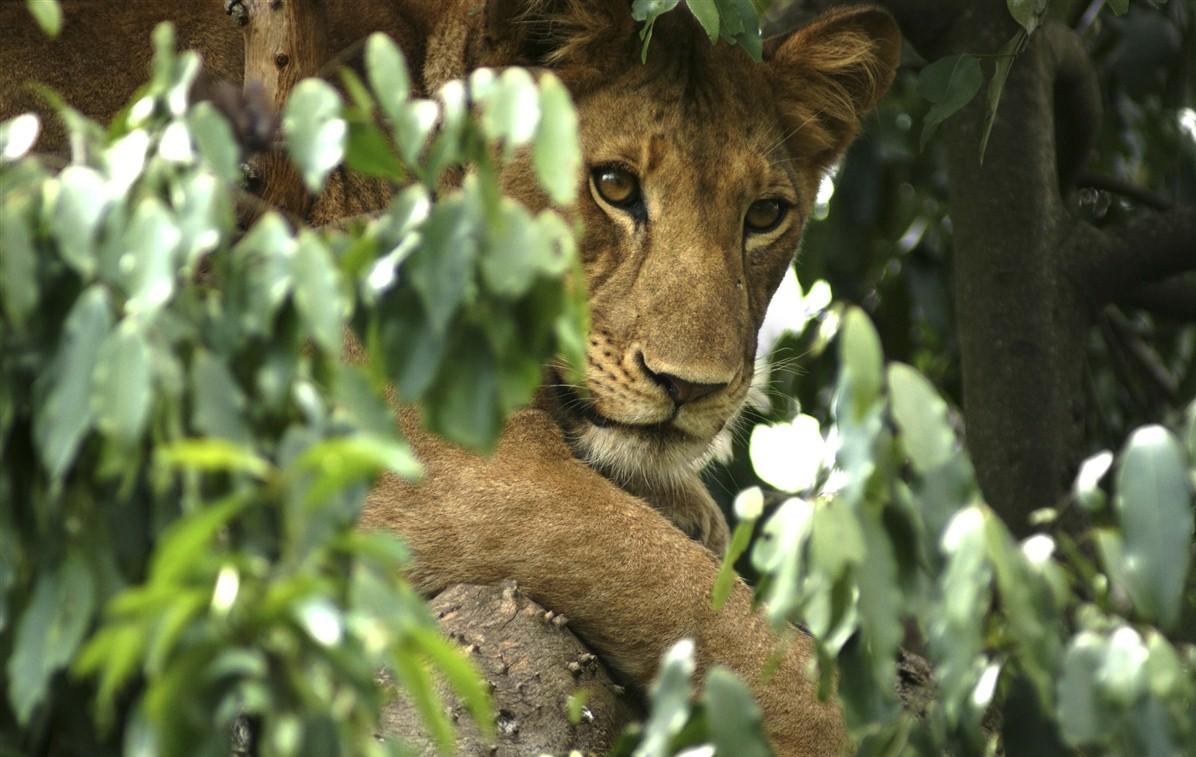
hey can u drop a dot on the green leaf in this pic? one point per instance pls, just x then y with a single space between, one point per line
1082 717
778 554
1086 488
215 140
18 264
338 463
185 544
442 271
264 258
463 405
838 540
421 688
647 11
949 83
17 136
77 212
996 85
414 122
121 388
149 266
1119 7
788 456
368 152
881 601
124 161
669 697
515 252
65 415
725 580
461 674
556 153
218 404
1029 13
47 14
318 291
706 12
921 417
862 364
50 629
314 130
211 455
205 217
512 109
733 716
1154 505
387 73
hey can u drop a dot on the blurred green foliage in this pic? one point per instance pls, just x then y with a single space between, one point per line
186 453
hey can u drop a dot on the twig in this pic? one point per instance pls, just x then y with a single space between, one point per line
1174 298
1123 188
1144 358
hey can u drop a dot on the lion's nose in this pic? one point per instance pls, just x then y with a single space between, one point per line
678 389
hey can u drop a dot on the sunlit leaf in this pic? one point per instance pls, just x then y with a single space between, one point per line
149 263
788 456
215 141
77 211
315 132
555 152
17 136
387 73
670 700
1154 505
48 14
512 110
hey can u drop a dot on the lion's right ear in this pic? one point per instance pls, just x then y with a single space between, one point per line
581 40
829 73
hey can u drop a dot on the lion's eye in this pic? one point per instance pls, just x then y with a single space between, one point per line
765 215
616 185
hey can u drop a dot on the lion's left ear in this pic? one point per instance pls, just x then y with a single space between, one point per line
828 74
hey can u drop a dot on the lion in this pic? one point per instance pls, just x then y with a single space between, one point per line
700 170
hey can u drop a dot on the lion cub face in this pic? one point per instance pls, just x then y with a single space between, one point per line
699 169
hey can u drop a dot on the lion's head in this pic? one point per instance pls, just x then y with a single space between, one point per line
700 168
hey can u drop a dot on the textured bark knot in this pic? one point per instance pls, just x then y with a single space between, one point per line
281 60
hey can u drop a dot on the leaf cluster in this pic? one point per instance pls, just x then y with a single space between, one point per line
185 451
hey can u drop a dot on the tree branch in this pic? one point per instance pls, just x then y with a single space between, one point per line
1149 248
1174 298
1123 188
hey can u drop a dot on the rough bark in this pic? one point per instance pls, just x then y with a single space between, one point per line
533 663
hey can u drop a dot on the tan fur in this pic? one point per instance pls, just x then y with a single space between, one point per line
564 506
